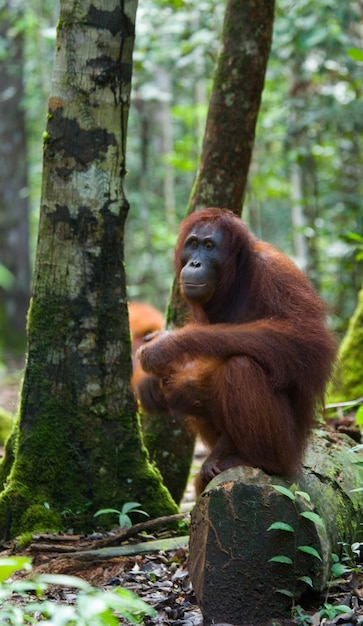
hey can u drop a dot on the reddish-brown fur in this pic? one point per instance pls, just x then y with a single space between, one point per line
248 371
143 319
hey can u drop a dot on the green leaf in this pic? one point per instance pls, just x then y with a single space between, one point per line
7 279
313 517
68 581
285 592
355 237
338 570
129 506
130 605
304 495
355 547
355 54
359 416
124 521
105 511
342 608
281 526
281 559
9 565
311 551
331 610
307 580
284 491
140 511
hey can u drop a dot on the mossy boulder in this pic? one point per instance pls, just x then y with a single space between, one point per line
255 549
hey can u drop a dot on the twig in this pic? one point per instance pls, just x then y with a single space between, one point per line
339 405
126 533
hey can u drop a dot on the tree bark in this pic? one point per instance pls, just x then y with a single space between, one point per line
234 106
231 546
79 444
14 196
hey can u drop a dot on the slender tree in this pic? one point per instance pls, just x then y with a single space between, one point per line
234 105
14 197
221 179
78 445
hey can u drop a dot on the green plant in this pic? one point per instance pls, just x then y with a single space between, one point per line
123 515
300 617
338 568
359 418
292 495
92 605
313 517
346 563
330 611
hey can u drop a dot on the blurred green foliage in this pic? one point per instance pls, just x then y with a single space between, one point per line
310 123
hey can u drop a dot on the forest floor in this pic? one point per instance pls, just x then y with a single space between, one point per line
157 573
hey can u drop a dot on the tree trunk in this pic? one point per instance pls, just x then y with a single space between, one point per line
79 445
222 177
14 197
234 106
236 548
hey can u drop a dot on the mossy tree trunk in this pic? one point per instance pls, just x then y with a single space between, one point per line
348 383
78 445
221 180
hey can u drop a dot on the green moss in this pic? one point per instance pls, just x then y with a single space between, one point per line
348 382
6 422
24 541
76 456
39 518
7 461
171 448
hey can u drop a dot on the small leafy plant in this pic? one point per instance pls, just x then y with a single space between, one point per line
92 605
300 617
292 494
124 520
330 611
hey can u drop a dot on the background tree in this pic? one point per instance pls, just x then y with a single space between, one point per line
308 148
14 192
304 187
234 106
78 444
307 153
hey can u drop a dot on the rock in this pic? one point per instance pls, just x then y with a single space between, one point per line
234 561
